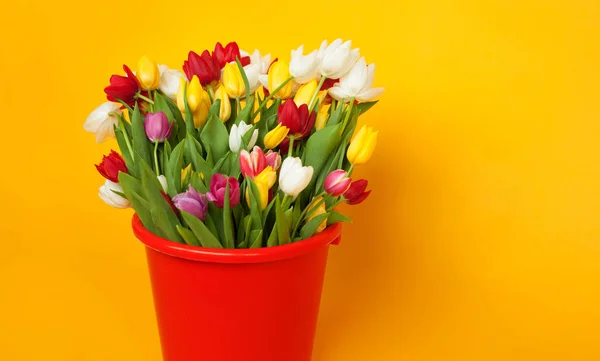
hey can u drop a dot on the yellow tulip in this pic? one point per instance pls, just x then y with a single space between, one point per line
201 113
185 172
362 145
180 94
261 93
263 191
279 73
233 81
321 209
306 92
225 109
321 97
322 116
264 181
148 74
276 136
195 94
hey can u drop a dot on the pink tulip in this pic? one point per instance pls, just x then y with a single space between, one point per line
337 182
218 184
252 163
273 159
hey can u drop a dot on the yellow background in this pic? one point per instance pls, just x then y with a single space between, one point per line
481 239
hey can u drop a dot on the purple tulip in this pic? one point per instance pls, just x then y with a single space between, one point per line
192 202
157 127
218 182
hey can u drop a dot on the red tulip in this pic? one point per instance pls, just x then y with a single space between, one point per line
251 164
328 83
111 165
227 54
356 193
297 119
204 66
123 88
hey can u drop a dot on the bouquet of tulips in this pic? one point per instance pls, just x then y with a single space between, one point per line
238 151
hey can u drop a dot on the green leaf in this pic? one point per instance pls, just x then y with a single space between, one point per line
319 147
256 237
204 235
189 117
336 115
210 224
215 136
198 183
227 222
255 211
180 126
141 144
244 77
273 241
218 168
336 217
246 231
132 189
244 114
363 107
173 169
188 236
200 165
311 226
283 225
267 211
125 150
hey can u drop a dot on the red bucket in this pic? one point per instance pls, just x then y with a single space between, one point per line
237 304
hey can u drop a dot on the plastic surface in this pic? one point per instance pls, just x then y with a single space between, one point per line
237 305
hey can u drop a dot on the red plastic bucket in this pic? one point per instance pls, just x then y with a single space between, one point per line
237 305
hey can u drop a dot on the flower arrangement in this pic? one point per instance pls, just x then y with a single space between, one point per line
238 151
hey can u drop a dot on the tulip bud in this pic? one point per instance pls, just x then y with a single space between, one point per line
163 182
169 81
237 133
157 127
218 184
315 208
233 81
293 177
337 59
148 74
337 183
306 92
263 192
225 109
194 93
276 136
278 74
264 181
322 116
356 193
273 159
111 165
303 67
192 202
102 121
362 145
251 164
267 176
204 66
108 195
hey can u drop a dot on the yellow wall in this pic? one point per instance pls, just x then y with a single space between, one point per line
481 240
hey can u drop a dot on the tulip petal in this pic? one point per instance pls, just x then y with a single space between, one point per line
339 93
369 95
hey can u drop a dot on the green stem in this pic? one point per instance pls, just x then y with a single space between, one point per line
238 106
337 203
156 158
286 201
348 114
129 147
139 95
271 94
211 93
350 169
291 150
312 100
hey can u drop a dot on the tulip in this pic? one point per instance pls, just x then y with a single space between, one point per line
337 182
102 121
279 73
322 117
337 58
228 54
357 84
264 181
169 81
362 145
163 182
157 127
192 202
148 74
108 195
124 88
253 73
273 159
306 92
303 67
225 109
293 177
111 165
233 81
315 208
276 136
251 164
356 193
204 66
237 133
297 119
198 101
195 94
218 184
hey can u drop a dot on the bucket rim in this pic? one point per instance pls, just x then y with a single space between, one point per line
331 235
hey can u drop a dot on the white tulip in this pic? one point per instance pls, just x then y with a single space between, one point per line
337 58
102 121
357 84
256 58
293 177
303 67
169 81
252 73
111 198
236 134
163 182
